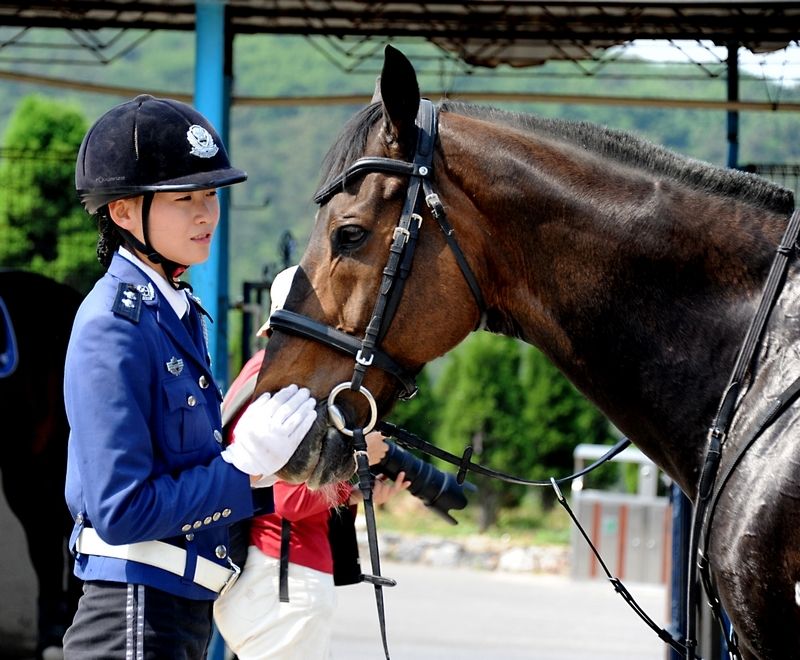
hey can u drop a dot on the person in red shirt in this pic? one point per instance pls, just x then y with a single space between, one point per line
263 616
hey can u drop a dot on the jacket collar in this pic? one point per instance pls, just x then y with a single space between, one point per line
128 272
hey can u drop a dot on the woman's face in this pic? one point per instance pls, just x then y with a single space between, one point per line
181 224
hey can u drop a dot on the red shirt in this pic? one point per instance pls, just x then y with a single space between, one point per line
307 510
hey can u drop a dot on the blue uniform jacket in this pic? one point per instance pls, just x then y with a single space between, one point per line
145 431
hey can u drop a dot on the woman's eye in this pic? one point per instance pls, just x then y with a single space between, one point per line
350 237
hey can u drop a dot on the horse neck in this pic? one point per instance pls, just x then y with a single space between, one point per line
638 288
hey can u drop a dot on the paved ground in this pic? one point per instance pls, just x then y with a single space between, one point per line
461 614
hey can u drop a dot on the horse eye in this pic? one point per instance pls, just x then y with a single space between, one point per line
349 237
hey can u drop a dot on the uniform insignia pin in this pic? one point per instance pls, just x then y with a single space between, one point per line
147 291
128 302
175 366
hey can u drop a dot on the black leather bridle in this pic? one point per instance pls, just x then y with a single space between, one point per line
367 351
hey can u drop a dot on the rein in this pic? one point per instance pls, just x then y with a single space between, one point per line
465 464
717 435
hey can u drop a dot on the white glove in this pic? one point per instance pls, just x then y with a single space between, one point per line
269 431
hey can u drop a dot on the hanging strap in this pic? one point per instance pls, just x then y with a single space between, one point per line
283 571
663 634
365 486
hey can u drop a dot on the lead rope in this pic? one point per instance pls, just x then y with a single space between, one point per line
365 479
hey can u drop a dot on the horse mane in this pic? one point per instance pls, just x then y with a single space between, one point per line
630 149
620 146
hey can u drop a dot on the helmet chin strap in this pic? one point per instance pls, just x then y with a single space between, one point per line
172 269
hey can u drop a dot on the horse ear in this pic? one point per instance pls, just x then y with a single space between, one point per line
376 95
399 92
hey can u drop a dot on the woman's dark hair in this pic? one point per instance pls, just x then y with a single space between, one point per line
108 239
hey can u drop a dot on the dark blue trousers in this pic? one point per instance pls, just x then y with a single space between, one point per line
132 622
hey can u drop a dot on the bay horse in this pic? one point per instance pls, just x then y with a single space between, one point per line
636 270
34 460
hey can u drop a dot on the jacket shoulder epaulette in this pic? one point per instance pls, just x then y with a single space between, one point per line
128 302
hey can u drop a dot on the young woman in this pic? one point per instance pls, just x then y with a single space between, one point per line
149 485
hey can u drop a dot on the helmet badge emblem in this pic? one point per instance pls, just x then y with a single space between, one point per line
202 143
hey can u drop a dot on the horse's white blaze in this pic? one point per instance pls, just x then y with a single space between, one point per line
797 592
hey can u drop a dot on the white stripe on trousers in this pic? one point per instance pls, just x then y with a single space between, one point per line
134 616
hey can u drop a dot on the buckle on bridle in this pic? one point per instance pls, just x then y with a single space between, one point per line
362 360
401 230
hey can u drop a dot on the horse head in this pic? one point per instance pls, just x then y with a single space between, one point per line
354 284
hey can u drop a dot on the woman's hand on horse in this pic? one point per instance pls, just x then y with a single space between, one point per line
269 432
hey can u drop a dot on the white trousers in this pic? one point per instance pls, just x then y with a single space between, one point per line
257 626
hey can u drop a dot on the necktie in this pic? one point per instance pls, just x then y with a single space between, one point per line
188 323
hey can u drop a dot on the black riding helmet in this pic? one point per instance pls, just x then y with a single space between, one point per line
145 146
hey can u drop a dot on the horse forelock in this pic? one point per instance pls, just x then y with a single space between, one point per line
350 144
628 149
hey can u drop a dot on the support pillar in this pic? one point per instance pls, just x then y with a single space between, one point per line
213 81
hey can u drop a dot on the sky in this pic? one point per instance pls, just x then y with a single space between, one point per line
779 65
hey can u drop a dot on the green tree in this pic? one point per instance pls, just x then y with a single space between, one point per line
556 417
519 413
481 401
44 227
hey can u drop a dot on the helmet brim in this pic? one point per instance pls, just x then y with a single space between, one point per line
94 199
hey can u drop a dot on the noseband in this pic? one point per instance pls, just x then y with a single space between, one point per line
366 351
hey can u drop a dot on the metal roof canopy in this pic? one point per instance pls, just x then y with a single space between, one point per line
481 32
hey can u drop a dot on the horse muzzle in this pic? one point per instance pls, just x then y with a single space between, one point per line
324 456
